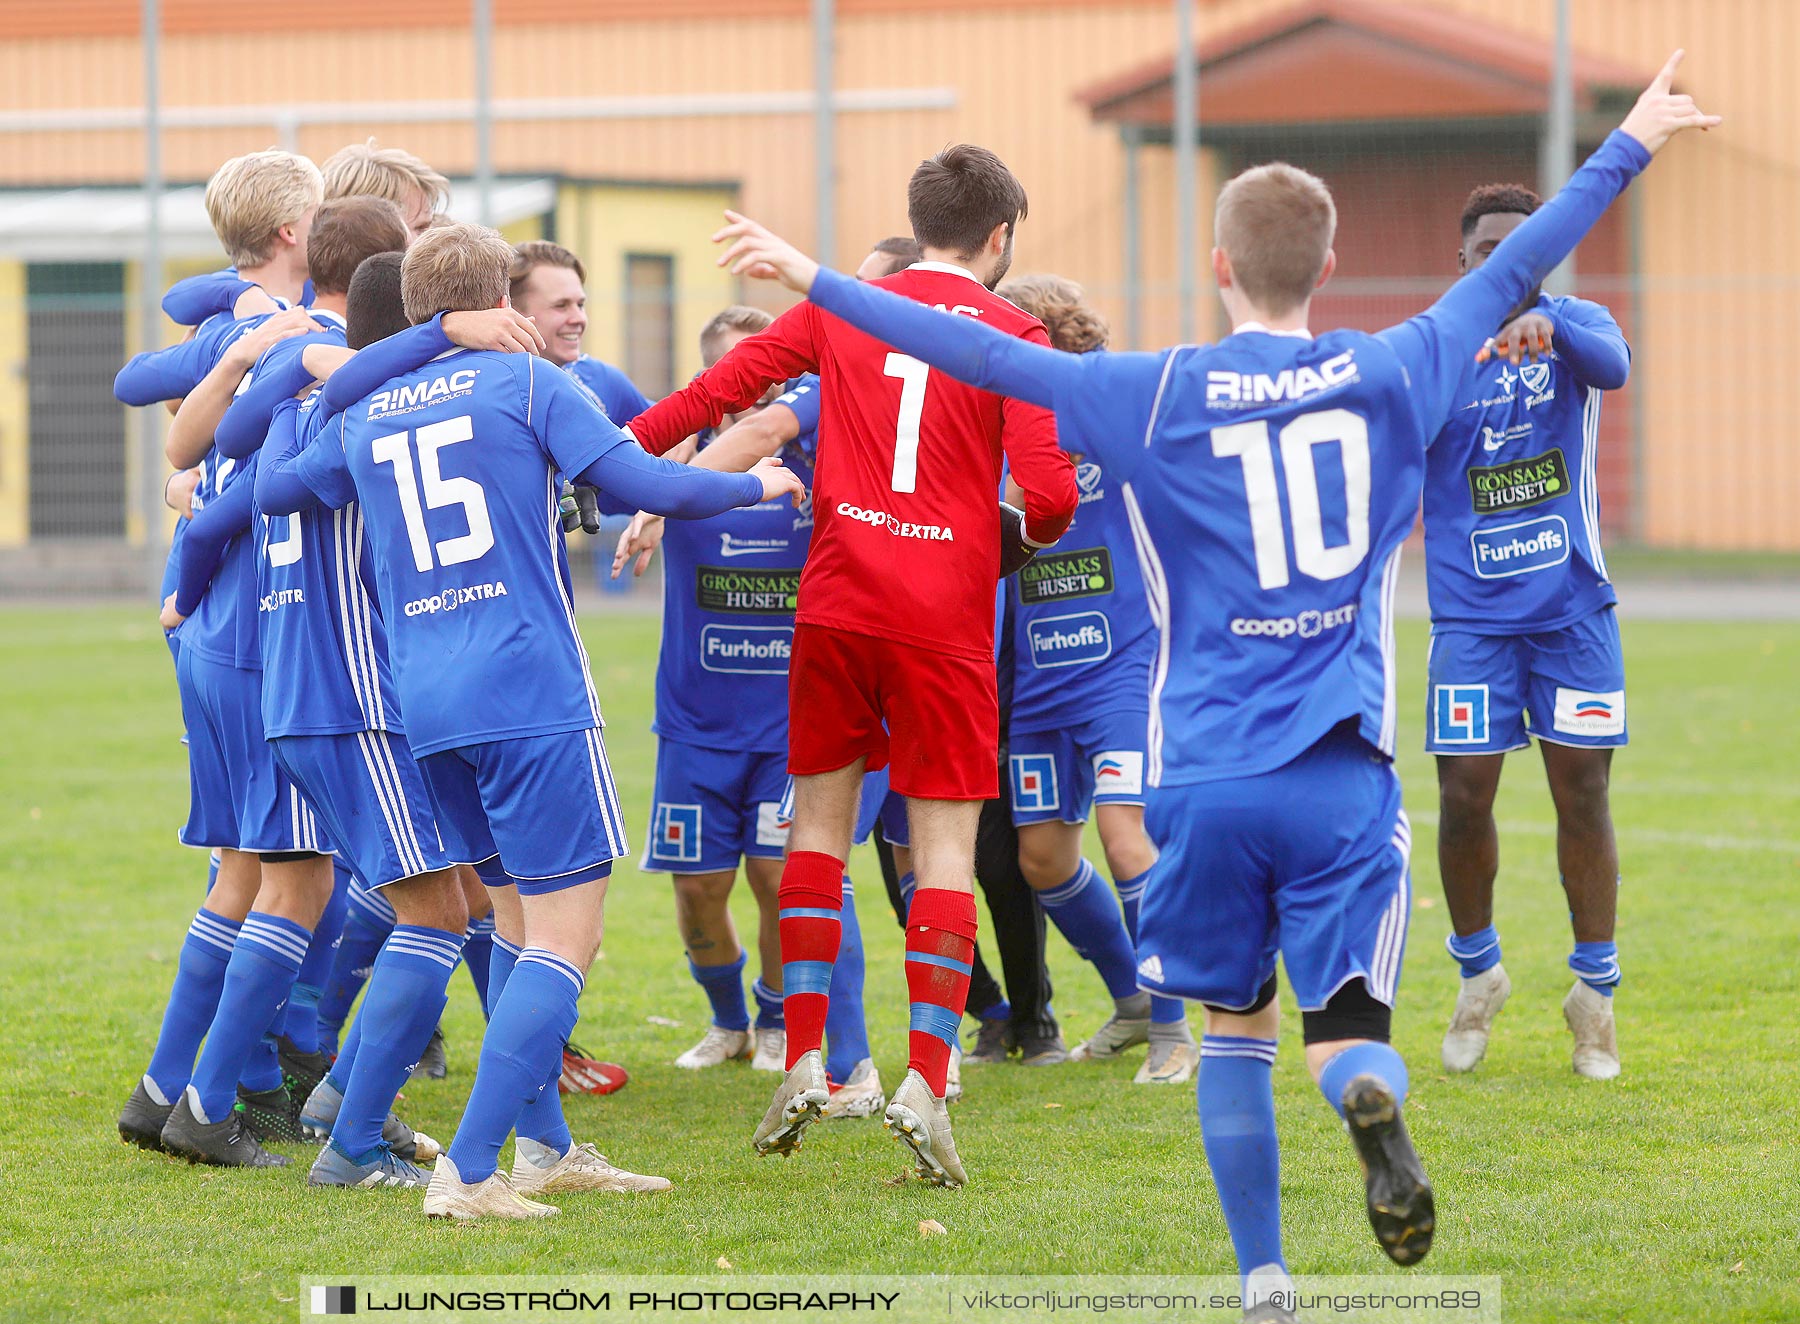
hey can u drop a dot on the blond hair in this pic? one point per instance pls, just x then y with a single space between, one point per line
384 172
739 317
1276 223
454 268
1061 306
250 197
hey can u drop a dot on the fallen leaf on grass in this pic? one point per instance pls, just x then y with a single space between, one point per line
721 1263
663 1020
1052 1105
1736 1268
930 1227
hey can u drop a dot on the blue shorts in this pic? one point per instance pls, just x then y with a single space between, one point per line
1486 693
371 797
875 804
546 805
1309 860
712 807
1063 774
239 797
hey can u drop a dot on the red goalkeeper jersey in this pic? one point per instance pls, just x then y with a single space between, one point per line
906 543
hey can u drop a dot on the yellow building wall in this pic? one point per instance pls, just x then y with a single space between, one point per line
603 223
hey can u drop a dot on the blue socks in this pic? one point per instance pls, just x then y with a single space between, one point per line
542 1118
1236 1097
406 997
769 1013
908 885
1089 918
300 1022
193 1000
1367 1058
1163 1010
261 971
1596 964
364 932
846 1032
724 988
477 954
521 1057
1476 953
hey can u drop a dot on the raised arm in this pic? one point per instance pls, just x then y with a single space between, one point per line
785 349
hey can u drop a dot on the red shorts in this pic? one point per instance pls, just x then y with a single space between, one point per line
942 735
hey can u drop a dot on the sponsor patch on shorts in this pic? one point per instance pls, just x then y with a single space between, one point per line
1119 772
771 825
1585 713
675 834
1460 714
1034 783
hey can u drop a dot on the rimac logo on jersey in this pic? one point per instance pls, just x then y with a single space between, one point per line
1059 575
1119 772
417 395
1519 483
1034 782
1584 713
1460 714
675 835
1241 390
771 827
1518 549
1066 641
754 650
1090 483
749 592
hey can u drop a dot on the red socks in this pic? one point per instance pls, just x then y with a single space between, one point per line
811 903
940 949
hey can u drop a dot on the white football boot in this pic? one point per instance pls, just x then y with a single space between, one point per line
1478 1001
1590 1017
716 1048
448 1196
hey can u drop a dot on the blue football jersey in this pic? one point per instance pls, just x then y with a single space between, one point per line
730 585
224 626
802 397
1083 639
454 467
325 648
1270 481
619 399
1512 505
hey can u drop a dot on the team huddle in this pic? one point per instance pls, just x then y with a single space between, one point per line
939 569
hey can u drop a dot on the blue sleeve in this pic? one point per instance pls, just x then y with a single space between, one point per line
163 374
293 476
641 481
568 424
203 545
802 401
190 302
278 376
1438 344
374 364
1590 342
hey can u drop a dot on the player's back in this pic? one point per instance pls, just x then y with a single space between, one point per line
907 540
1281 475
459 500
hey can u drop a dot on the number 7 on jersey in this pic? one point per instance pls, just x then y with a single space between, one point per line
912 374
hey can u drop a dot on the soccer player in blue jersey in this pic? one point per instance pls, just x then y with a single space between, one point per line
547 286
1083 642
1270 482
1524 641
490 670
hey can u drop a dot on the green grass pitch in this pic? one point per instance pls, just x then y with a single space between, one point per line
1667 1195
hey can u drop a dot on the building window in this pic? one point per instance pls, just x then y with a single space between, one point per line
650 322
75 318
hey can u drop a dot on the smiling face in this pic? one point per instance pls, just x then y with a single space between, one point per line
554 297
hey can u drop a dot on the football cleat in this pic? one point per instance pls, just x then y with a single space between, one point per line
799 1101
860 1096
771 1050
434 1062
448 1196
1478 1001
993 1042
334 1168
1112 1038
1401 1207
717 1047
1170 1063
227 1144
273 1115
1037 1049
1589 1014
922 1123
583 1168
302 1071
142 1121
320 1112
582 1074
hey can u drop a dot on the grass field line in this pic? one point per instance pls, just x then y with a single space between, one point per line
1704 840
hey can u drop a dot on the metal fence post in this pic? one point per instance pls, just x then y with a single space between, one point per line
153 467
824 17
482 34
1187 133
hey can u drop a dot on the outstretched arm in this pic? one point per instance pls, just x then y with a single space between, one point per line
784 349
495 328
649 482
191 301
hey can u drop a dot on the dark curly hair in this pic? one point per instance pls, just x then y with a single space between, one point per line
1498 200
